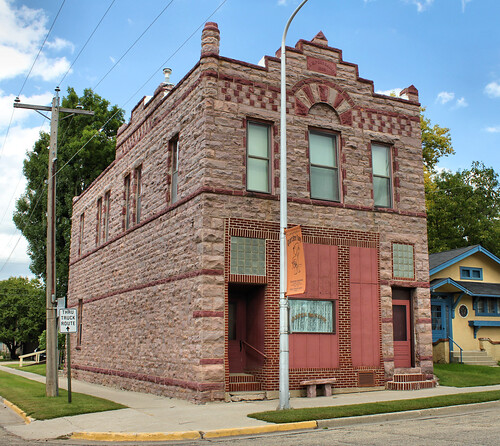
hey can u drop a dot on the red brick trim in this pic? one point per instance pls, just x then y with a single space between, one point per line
187 275
208 361
387 320
423 320
426 358
207 313
198 386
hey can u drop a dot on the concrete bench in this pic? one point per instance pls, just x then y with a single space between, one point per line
312 383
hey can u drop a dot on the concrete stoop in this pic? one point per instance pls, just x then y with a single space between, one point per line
244 387
474 357
410 379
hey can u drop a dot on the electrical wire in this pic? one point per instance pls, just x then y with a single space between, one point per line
88 40
133 44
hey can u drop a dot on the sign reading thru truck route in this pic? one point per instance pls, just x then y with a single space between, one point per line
67 320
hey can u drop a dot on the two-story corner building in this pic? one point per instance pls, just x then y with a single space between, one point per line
175 247
465 298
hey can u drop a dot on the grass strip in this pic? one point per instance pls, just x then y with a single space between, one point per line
355 410
464 375
39 369
30 396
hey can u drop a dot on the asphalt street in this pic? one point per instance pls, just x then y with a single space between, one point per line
476 427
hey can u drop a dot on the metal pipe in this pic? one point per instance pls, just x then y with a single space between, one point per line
284 388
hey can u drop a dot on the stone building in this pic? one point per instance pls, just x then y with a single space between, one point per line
174 263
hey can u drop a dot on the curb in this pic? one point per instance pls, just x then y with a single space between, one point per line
192 435
405 415
17 410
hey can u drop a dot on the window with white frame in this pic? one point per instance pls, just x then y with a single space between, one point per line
324 172
258 157
312 316
403 261
382 177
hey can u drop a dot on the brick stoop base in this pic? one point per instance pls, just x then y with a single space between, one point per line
411 380
243 382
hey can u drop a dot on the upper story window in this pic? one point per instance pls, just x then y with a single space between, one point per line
99 222
175 168
82 229
127 201
469 273
324 172
107 207
138 191
403 261
487 306
382 176
258 157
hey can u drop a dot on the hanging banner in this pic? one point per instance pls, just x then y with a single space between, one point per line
296 265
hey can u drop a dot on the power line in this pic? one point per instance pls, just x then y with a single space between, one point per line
88 40
133 44
40 50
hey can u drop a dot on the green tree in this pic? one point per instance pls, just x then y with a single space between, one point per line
86 146
436 143
22 312
463 208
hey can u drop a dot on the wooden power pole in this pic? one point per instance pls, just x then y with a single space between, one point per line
51 383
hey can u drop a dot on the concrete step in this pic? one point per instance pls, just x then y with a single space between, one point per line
414 385
247 396
474 358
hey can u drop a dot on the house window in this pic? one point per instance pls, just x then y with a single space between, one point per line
382 181
107 204
487 306
82 228
437 317
312 316
99 222
80 323
402 261
323 166
138 191
258 143
127 202
463 311
175 168
467 273
248 256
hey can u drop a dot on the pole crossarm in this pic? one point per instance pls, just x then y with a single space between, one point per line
76 111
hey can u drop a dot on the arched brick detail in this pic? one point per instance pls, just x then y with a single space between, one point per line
313 91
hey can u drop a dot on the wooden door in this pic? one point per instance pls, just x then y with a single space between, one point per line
401 333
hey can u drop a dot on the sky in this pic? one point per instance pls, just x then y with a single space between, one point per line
448 49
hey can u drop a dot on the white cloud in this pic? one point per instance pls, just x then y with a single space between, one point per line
421 5
445 97
22 31
395 92
492 90
20 115
461 103
495 129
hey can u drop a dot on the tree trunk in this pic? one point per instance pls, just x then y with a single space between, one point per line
12 350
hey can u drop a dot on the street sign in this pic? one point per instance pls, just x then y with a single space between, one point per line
61 304
67 320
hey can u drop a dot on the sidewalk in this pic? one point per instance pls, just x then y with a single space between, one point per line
155 414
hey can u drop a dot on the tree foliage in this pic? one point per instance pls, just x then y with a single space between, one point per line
463 208
22 312
436 143
86 146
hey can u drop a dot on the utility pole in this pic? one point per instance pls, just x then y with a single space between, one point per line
51 382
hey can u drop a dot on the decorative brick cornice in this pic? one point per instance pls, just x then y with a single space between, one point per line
164 381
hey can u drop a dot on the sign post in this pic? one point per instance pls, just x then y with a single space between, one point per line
67 324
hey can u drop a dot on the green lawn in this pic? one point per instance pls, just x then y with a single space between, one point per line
30 397
463 375
322 413
39 369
